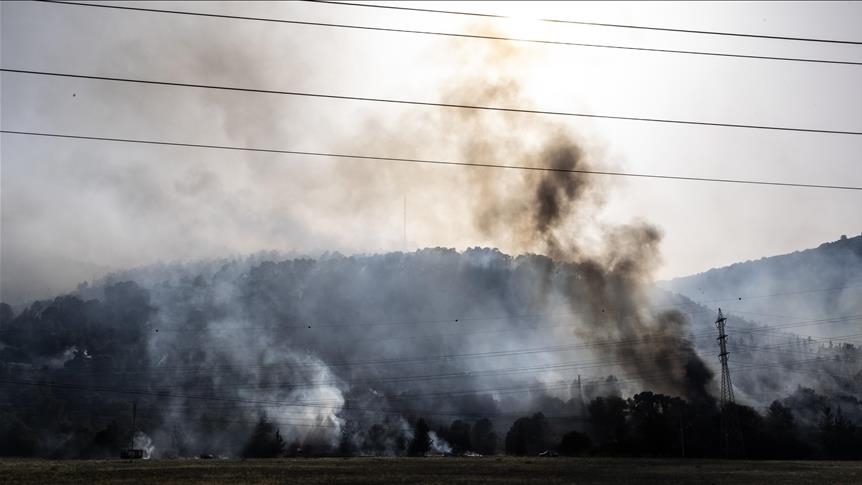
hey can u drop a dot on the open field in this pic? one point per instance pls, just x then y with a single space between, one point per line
429 470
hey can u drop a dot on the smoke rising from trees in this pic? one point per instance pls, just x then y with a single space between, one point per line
379 354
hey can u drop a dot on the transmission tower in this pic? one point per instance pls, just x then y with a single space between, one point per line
731 432
726 386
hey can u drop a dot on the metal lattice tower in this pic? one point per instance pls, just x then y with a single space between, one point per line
726 385
731 431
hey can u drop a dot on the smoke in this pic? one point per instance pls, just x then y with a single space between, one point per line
438 444
610 266
293 322
143 442
338 350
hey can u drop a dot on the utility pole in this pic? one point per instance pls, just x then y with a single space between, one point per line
134 419
132 453
731 433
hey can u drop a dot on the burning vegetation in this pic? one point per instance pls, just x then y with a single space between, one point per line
430 352
356 356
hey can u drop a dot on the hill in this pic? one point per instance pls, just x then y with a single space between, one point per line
344 353
813 284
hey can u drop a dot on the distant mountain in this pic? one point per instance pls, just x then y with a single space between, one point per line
814 284
793 320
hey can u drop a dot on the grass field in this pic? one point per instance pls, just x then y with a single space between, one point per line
429 470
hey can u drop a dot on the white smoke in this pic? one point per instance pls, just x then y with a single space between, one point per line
439 446
143 442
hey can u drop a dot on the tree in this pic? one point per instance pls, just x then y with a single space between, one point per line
780 427
838 435
421 441
528 436
608 419
265 441
459 436
484 437
751 440
375 440
654 429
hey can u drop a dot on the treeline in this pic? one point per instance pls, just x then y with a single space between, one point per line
71 367
646 424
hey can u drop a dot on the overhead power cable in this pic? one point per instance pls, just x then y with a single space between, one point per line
488 372
446 358
562 347
459 35
594 24
473 373
637 377
476 107
429 161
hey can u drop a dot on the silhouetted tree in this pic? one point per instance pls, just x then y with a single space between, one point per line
608 420
753 442
109 441
484 437
421 442
459 436
838 435
265 441
529 436
782 437
655 422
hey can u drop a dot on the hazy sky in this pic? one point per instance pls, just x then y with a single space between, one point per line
72 208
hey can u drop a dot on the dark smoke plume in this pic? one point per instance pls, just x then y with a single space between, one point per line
610 267
348 352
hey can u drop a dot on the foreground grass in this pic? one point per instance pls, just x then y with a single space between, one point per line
428 470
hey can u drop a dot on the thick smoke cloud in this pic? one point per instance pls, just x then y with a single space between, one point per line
347 352
554 213
317 344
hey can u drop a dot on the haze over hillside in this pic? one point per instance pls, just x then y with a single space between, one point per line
812 284
341 349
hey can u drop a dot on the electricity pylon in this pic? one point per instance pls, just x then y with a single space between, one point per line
726 385
731 432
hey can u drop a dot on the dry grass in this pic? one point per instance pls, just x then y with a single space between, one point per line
429 470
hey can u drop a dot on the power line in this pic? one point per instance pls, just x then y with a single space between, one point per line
600 363
496 372
637 377
347 407
471 374
459 35
431 162
528 351
595 24
432 104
